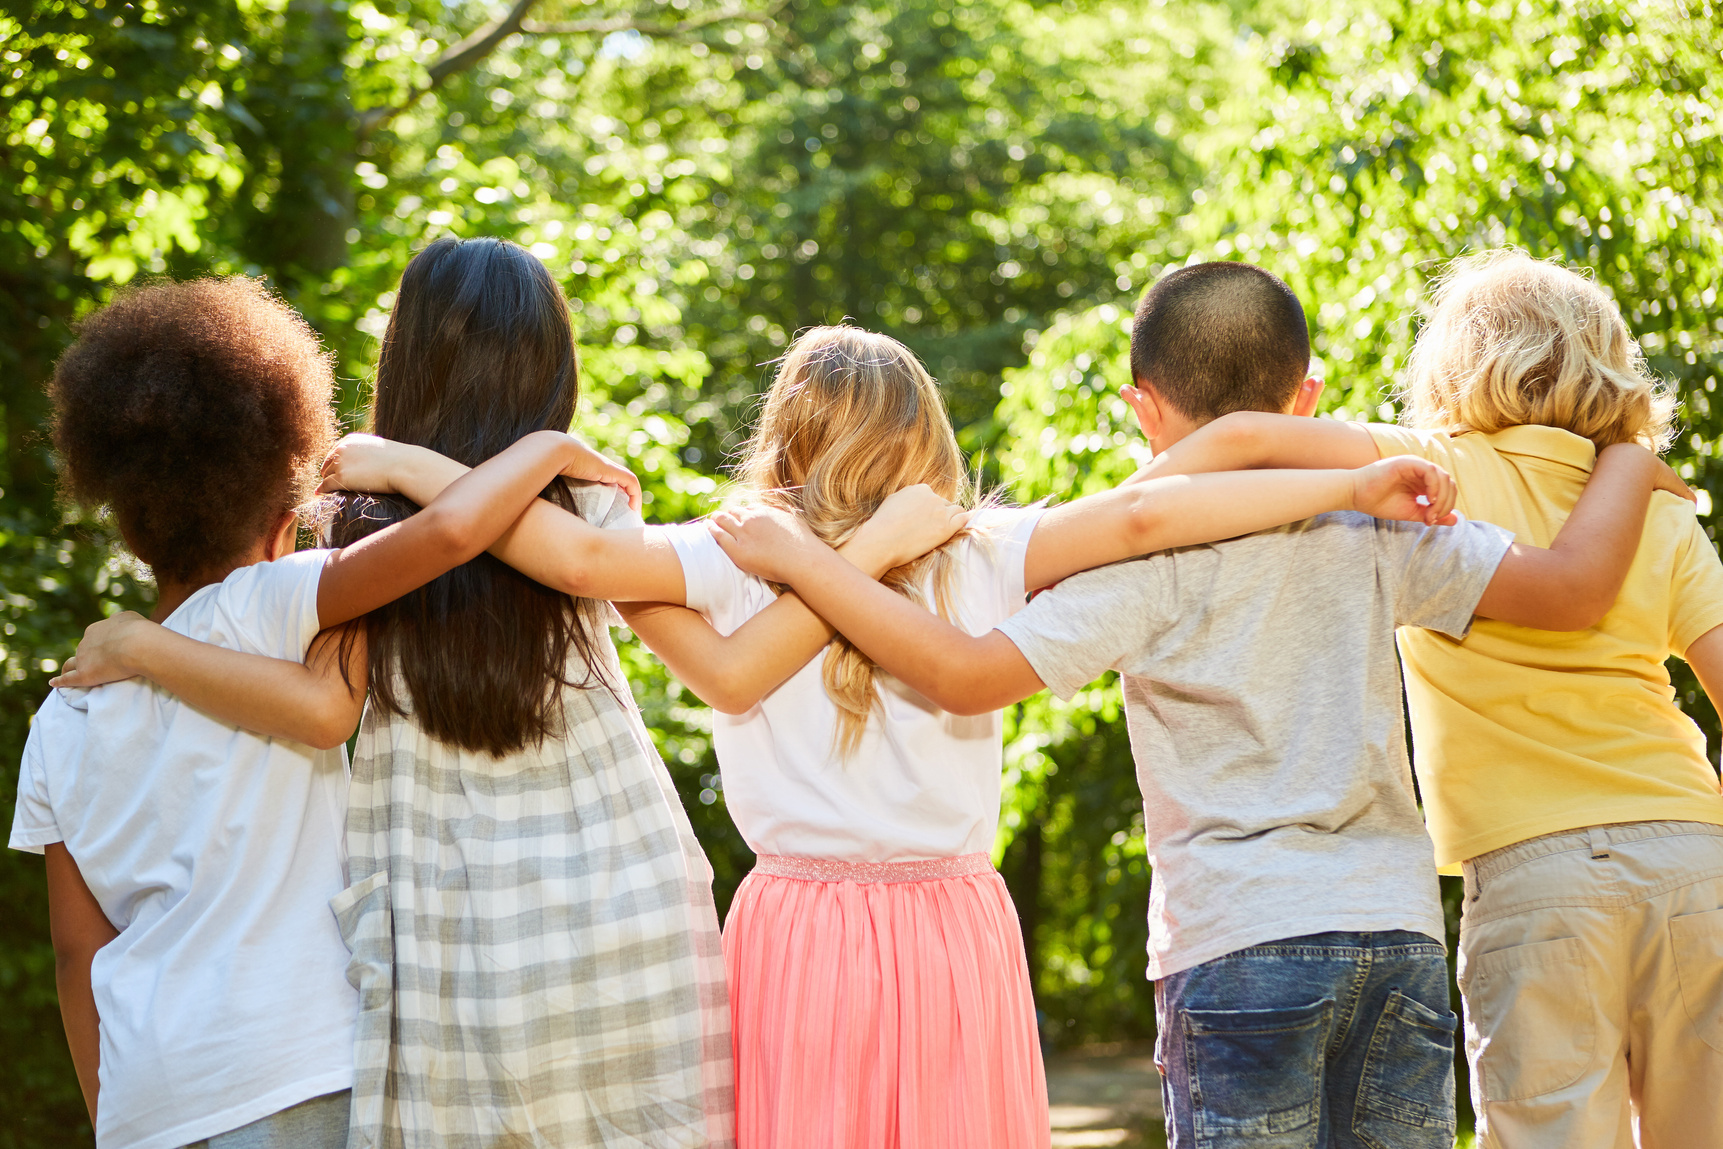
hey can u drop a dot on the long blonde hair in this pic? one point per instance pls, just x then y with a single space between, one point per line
1515 340
852 417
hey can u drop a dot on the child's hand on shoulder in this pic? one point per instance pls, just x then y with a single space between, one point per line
910 523
363 463
1663 476
593 467
102 652
764 541
1405 487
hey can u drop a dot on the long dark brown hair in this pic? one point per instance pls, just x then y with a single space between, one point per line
478 353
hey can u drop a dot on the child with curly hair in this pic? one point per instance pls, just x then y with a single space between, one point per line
190 863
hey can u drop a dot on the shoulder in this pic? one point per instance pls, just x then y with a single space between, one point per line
291 572
268 608
1672 524
1392 439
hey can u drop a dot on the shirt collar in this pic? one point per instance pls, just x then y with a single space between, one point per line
1551 443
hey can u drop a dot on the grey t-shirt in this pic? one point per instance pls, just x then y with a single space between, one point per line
1263 700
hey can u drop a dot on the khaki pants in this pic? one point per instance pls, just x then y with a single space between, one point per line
1592 967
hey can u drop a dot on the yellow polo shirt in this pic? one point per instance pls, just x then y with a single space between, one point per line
1519 732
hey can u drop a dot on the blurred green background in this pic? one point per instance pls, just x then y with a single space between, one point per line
992 182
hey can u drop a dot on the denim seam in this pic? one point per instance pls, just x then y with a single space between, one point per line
1378 1038
1346 1010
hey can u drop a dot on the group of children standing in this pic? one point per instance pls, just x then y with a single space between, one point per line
500 932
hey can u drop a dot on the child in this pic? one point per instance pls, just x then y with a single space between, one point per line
190 864
1295 926
1556 769
530 916
876 969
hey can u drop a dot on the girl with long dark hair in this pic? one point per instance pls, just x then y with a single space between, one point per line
530 916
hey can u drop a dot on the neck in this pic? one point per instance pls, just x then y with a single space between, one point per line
169 596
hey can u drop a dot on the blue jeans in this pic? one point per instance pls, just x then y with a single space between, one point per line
1335 1039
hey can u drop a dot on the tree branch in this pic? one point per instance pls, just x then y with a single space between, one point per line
485 40
458 58
606 25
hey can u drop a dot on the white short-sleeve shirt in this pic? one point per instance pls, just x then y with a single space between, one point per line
922 784
214 852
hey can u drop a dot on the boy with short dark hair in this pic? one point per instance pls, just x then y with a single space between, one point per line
1295 927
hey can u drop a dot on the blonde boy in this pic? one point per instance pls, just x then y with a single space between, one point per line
1557 772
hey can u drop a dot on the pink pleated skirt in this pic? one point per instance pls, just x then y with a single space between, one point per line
882 1006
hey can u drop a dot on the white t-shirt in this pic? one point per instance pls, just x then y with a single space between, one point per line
922 784
214 852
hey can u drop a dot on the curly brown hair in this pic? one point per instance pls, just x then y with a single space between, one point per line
199 413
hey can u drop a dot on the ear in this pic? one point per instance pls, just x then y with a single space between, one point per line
1309 393
1147 406
284 538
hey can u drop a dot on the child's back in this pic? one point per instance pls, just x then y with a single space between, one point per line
1525 732
1263 701
1557 768
215 853
202 855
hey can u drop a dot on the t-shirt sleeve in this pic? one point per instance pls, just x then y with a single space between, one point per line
1003 538
607 507
1392 440
1090 623
1696 596
1438 574
717 588
33 822
274 604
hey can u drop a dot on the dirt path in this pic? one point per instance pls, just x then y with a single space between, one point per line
1105 1096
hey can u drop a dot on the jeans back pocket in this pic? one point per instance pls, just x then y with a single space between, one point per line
1256 1074
1406 1099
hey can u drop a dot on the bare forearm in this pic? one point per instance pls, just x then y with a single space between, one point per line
1246 440
459 523
732 673
932 656
83 1024
79 929
268 696
1573 584
1174 511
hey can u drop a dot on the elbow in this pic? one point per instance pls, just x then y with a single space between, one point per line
453 535
328 738
731 702
1145 523
1574 611
1580 613
334 724
1240 436
956 694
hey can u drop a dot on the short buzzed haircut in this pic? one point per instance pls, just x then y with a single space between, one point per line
1219 337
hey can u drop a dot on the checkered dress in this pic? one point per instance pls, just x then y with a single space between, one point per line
534 941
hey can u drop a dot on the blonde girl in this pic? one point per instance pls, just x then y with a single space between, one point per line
1558 773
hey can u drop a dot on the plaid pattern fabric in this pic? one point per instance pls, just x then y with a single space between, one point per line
534 943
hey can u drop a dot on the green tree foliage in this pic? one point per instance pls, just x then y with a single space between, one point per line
993 182
1356 153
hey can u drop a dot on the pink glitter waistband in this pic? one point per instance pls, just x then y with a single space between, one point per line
828 870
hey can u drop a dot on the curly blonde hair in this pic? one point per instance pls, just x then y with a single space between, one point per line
1513 340
852 417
